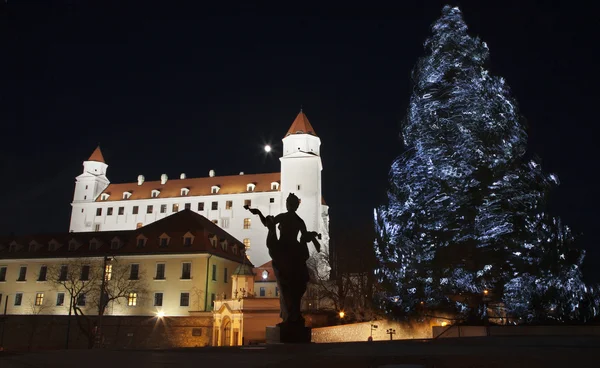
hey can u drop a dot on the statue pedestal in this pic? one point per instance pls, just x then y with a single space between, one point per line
288 334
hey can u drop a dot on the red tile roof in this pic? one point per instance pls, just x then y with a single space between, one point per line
174 226
231 184
97 155
301 126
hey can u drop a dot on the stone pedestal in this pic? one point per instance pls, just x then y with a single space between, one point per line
288 334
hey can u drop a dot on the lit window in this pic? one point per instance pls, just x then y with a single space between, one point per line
265 274
250 187
163 208
216 222
108 272
228 205
247 202
139 225
274 185
132 299
39 299
247 223
247 243
175 207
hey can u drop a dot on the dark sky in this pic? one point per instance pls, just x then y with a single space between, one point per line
171 90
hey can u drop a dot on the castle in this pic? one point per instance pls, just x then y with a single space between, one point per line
99 205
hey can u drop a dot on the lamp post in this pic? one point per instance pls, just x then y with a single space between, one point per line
391 332
372 328
102 301
486 320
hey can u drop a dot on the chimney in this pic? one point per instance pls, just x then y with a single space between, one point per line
141 179
211 173
241 173
182 176
163 178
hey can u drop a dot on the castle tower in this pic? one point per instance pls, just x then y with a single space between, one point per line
301 168
88 186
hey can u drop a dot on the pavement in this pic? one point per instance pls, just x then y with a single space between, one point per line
479 352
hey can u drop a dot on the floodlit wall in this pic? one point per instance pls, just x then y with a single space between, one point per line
362 331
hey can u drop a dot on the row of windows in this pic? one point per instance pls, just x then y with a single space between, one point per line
132 299
174 208
250 187
116 243
134 272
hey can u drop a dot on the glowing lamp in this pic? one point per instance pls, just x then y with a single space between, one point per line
444 324
267 148
342 314
160 314
485 292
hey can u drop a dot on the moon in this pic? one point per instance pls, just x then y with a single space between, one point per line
267 148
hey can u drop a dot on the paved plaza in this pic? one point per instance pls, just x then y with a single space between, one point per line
513 352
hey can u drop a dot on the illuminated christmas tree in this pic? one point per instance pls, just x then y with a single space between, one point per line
465 209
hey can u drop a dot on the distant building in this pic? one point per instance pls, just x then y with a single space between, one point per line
187 261
99 205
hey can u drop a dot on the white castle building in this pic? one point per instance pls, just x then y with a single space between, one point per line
99 205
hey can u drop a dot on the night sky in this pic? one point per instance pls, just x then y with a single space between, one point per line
172 90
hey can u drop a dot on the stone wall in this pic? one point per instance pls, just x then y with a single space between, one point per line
471 331
135 332
362 331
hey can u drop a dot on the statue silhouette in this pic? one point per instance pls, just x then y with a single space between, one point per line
289 257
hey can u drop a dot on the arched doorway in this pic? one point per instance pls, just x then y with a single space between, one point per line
226 332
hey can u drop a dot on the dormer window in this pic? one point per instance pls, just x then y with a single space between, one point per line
53 245
141 241
234 249
155 193
274 185
115 243
73 245
250 187
213 241
94 244
163 240
224 244
104 196
188 239
126 195
33 246
13 247
185 191
265 274
215 189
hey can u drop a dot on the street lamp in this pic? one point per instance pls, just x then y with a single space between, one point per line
342 314
160 314
391 332
372 328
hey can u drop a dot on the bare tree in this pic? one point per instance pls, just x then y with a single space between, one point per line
81 278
